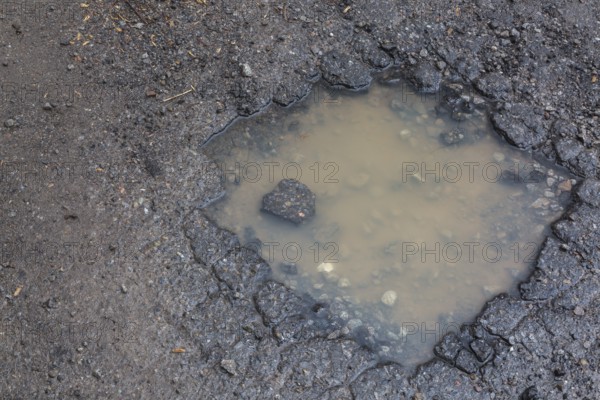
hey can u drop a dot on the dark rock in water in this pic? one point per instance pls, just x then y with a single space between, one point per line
290 200
426 78
341 69
288 268
454 136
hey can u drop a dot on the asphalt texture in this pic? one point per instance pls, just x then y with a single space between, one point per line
115 283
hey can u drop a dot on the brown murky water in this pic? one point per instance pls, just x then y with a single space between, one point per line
415 231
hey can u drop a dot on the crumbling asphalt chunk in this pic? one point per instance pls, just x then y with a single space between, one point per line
437 379
385 382
581 294
494 85
555 272
339 69
425 77
581 160
567 149
208 241
502 314
589 192
287 314
242 270
520 126
322 365
579 227
448 348
467 362
482 350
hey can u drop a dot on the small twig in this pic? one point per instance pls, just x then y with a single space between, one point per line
193 89
136 12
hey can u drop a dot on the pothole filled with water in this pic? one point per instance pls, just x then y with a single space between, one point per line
422 212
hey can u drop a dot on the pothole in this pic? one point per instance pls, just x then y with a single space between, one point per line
422 212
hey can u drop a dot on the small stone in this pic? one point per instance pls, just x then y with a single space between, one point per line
423 53
549 193
290 200
565 185
230 366
579 311
540 203
9 123
389 298
70 67
550 181
325 267
5 63
47 106
53 373
96 374
150 93
498 157
441 65
246 71
124 288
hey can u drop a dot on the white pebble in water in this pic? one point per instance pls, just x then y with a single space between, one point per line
389 298
325 267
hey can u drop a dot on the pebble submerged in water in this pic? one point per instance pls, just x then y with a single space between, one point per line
389 298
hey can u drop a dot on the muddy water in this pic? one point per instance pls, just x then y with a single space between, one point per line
415 232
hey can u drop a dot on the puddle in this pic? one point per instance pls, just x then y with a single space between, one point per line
412 233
